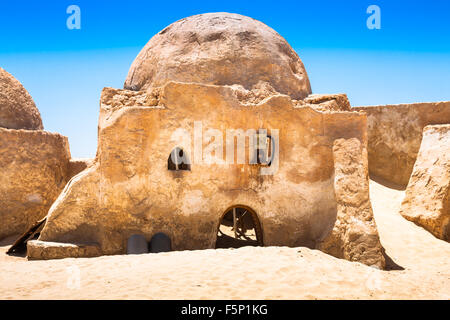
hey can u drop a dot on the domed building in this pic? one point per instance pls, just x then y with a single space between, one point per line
17 108
220 49
216 141
35 163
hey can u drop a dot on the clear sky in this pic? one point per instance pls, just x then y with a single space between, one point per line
407 60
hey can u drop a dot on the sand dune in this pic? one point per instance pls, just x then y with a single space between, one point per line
246 273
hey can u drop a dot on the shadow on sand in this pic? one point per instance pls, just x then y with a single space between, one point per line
387 184
9 241
390 264
224 241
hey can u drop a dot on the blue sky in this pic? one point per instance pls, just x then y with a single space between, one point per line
407 60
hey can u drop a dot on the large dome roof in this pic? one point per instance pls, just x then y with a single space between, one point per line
220 49
17 108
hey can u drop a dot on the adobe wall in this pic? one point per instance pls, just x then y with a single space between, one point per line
354 235
128 189
427 197
34 170
395 133
78 165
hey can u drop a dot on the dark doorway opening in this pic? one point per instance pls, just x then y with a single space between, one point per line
239 227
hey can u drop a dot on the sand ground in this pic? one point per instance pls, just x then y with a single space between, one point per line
246 273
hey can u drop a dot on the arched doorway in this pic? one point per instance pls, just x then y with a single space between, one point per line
239 227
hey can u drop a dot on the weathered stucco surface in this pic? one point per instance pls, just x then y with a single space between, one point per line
354 235
221 49
427 199
34 171
78 165
395 133
129 190
327 102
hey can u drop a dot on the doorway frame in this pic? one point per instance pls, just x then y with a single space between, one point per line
256 222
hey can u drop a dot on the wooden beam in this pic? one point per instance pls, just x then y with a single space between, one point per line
176 158
234 223
27 235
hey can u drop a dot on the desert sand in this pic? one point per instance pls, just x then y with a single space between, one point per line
246 273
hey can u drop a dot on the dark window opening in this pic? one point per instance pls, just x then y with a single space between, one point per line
137 244
160 243
239 227
178 161
264 148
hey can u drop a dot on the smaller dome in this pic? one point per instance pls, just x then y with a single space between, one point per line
220 49
17 108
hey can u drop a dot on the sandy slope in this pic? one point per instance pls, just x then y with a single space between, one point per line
246 273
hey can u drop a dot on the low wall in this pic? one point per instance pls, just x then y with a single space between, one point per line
35 168
78 165
395 133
